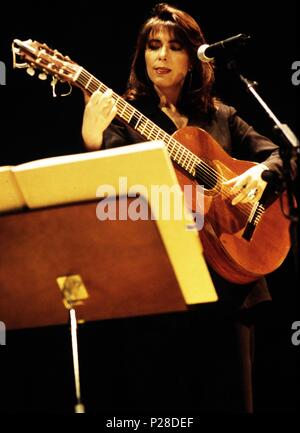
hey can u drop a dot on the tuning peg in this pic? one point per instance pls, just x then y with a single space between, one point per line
42 76
30 71
53 85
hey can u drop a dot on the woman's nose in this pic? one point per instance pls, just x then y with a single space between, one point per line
162 52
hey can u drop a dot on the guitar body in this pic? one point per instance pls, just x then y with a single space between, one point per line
228 253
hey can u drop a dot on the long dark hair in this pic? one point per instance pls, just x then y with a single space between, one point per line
197 89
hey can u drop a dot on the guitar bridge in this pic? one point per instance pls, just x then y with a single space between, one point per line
254 218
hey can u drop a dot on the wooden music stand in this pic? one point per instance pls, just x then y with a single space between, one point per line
55 244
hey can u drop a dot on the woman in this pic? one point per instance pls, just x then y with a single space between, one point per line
170 86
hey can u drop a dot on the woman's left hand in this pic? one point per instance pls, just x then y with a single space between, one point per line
249 186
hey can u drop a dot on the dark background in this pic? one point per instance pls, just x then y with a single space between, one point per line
37 363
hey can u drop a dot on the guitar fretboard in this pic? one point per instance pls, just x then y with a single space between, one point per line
178 153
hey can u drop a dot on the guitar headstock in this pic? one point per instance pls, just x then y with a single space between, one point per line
37 56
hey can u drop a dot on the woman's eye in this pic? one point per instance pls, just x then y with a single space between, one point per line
153 46
176 47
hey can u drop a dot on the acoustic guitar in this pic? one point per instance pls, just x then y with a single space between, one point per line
241 243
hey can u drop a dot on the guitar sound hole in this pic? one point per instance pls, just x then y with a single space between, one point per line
207 176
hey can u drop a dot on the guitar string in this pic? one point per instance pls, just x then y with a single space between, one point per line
243 206
147 129
210 175
189 157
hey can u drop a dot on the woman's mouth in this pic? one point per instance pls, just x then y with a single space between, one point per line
162 71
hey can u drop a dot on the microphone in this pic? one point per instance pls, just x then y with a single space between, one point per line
206 53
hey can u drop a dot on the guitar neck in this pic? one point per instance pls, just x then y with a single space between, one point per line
140 123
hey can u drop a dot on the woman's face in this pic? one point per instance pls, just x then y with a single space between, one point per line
167 62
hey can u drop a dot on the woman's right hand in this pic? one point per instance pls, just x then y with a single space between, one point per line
98 114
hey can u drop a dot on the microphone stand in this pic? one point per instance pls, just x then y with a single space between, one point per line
289 149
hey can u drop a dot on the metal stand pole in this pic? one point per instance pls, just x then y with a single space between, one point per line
74 293
79 406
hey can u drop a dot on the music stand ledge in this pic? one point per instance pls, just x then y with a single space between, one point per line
129 268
